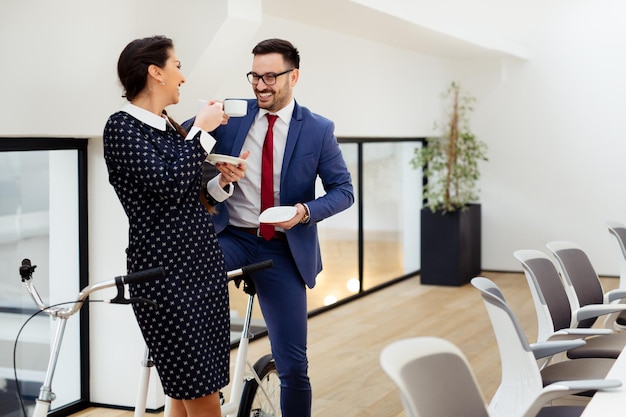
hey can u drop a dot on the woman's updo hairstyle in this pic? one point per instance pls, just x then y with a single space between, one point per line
132 66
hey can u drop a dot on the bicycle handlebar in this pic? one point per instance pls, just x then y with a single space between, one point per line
27 269
143 276
135 278
248 269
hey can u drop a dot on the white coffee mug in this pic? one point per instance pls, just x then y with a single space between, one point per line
235 107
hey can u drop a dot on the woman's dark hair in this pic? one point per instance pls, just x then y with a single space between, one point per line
289 52
132 66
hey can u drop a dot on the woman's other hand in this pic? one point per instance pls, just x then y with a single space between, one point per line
210 116
230 172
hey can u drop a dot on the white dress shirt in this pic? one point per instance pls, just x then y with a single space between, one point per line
244 203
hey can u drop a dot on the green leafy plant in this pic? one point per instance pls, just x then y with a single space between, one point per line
450 161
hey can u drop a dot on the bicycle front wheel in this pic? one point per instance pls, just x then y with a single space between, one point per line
262 400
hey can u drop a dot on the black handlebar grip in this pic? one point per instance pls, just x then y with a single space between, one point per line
257 267
27 269
145 275
250 268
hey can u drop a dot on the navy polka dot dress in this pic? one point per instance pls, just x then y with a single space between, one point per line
157 177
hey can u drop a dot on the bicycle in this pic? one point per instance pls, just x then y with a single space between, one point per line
256 393
64 311
252 394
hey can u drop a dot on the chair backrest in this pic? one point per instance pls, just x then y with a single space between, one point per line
618 231
521 380
582 282
433 377
548 292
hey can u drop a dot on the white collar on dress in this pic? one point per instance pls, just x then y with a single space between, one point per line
145 116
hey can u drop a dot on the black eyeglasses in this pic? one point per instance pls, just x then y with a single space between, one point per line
268 79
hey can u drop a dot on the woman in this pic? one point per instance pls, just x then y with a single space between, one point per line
155 168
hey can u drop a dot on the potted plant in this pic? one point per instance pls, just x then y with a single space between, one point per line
451 218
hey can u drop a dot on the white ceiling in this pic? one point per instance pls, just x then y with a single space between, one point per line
446 28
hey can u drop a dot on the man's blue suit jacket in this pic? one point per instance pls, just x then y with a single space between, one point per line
311 150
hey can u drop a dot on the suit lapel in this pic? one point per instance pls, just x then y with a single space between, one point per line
244 127
292 138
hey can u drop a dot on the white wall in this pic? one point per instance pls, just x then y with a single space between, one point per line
555 129
553 122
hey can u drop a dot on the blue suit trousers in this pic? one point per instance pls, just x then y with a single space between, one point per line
282 298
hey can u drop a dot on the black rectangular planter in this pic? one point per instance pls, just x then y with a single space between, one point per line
450 246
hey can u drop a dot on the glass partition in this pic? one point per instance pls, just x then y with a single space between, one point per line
42 207
339 244
376 241
43 217
392 199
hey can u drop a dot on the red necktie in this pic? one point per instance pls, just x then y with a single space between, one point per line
267 175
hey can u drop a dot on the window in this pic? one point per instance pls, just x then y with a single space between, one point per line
375 241
42 218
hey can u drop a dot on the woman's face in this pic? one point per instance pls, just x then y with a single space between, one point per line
172 77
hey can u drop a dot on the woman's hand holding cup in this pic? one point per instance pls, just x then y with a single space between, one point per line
210 115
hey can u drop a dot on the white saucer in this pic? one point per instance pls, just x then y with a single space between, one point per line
214 158
277 214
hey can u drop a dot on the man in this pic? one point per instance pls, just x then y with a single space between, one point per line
304 147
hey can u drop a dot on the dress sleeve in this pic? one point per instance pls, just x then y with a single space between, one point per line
142 155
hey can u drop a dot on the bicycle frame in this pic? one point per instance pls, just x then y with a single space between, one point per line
229 408
239 376
46 396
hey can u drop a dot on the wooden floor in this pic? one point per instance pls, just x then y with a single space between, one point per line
345 343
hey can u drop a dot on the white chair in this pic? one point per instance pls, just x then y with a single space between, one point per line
435 380
522 381
618 231
554 315
583 286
